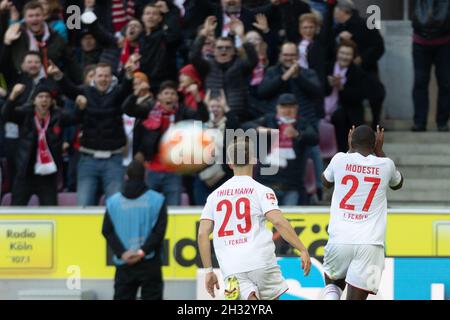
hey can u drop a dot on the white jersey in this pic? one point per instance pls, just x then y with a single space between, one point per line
242 242
359 206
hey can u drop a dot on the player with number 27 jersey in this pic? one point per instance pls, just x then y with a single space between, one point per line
354 254
359 206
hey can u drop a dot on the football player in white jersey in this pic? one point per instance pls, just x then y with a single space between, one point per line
236 214
354 254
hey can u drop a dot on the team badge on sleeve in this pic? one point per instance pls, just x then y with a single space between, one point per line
271 196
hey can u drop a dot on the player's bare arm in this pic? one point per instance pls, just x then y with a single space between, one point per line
287 232
379 140
399 186
327 184
205 229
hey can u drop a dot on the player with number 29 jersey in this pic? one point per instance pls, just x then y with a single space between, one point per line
236 214
242 241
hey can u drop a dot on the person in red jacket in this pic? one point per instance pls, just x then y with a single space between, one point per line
191 86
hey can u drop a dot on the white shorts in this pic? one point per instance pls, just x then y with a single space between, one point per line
360 265
266 284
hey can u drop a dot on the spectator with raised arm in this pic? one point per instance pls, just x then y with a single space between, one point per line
230 68
34 34
39 151
103 140
155 120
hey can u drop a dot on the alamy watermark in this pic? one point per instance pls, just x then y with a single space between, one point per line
74 17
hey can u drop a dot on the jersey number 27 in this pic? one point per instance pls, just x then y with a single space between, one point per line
355 183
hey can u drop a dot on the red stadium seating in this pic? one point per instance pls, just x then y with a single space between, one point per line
7 198
185 199
310 178
328 144
67 199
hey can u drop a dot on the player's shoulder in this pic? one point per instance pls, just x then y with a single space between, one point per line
262 189
340 156
385 160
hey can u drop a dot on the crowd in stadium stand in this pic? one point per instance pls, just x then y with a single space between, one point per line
77 105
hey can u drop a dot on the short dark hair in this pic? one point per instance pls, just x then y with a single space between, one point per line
168 84
229 39
32 53
349 44
104 65
136 170
88 69
31 6
363 137
152 5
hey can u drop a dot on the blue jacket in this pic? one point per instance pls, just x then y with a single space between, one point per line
133 221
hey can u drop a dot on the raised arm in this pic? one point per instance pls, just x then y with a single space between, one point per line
65 85
11 112
131 108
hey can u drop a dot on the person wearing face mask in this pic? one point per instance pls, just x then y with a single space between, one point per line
155 119
295 133
230 68
103 140
39 151
345 94
34 34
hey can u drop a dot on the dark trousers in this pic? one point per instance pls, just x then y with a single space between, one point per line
45 187
424 58
343 120
145 274
376 93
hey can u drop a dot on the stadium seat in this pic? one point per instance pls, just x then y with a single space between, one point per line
185 199
5 185
328 144
310 178
102 200
67 199
7 198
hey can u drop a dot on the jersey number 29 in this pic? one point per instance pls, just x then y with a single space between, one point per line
242 211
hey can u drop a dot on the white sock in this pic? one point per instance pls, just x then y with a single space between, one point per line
332 292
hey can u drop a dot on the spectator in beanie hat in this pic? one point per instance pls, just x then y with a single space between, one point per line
39 151
191 85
